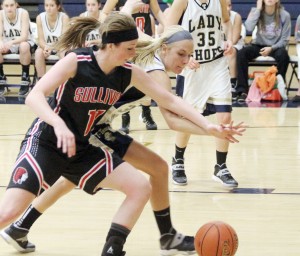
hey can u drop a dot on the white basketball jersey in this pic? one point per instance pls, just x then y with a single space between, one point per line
204 22
12 30
51 35
93 35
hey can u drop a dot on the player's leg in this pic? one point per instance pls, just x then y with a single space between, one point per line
221 98
40 64
137 189
16 233
178 171
25 60
13 204
221 173
146 116
149 162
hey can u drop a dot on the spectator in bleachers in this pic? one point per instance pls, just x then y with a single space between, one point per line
50 25
297 38
15 37
92 10
143 22
238 43
273 32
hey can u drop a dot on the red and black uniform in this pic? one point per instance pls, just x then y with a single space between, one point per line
142 19
80 102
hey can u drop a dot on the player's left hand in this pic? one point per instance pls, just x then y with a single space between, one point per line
193 64
228 48
228 131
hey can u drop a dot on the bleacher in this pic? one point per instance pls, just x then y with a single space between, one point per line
75 7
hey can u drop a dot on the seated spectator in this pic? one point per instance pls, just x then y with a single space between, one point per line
92 10
297 37
15 37
50 25
273 32
238 43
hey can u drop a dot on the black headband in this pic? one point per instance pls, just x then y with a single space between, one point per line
120 36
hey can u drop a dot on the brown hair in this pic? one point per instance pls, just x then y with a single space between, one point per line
261 21
80 27
75 35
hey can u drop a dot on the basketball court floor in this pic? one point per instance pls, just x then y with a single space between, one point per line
264 210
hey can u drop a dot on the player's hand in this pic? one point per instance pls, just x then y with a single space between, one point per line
228 48
259 4
65 139
193 64
132 6
228 131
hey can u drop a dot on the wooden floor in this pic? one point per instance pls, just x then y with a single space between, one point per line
264 210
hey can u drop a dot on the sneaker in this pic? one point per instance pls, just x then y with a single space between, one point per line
113 247
3 88
234 96
242 97
24 88
178 172
223 175
171 244
296 98
18 239
146 117
125 123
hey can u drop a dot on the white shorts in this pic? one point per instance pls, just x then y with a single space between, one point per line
298 53
209 88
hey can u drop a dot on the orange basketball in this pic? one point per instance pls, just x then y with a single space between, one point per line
216 238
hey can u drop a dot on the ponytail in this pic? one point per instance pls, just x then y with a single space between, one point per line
75 35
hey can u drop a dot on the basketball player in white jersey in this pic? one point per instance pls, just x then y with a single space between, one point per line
238 43
142 17
15 37
50 25
207 88
92 10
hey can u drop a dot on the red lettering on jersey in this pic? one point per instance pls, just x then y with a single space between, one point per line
93 115
88 95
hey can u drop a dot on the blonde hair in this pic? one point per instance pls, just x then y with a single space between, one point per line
261 21
146 50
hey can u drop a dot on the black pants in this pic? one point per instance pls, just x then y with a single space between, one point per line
249 53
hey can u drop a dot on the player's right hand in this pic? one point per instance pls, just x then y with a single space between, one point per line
65 139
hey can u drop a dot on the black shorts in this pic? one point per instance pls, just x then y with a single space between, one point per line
39 165
104 136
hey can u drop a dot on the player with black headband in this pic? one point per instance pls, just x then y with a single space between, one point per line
112 40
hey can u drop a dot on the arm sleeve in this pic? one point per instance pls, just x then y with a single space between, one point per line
286 33
252 19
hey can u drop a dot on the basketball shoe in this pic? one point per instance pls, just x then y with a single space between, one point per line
18 239
147 119
223 175
178 172
24 88
173 244
125 123
3 82
113 247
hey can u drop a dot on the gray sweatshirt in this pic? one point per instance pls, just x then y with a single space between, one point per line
297 30
270 35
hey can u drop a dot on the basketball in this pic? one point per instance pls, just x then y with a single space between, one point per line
216 238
